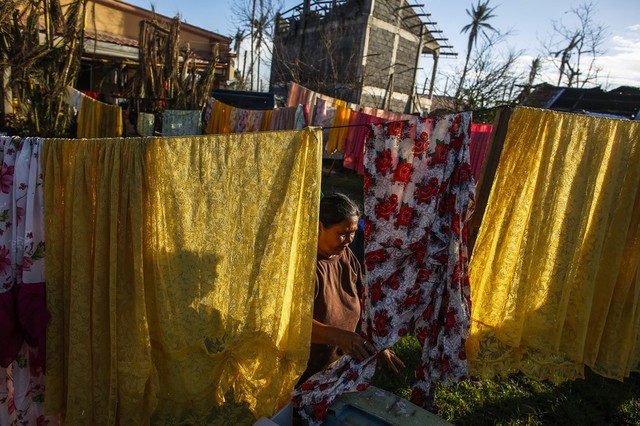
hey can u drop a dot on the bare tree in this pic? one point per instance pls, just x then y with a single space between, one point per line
256 17
492 75
168 70
574 49
41 61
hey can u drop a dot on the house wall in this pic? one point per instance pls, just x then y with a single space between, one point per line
119 18
391 55
121 23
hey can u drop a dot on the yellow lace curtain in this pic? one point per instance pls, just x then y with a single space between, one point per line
554 274
179 271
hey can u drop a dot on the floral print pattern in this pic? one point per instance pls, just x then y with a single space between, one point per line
23 312
22 391
419 191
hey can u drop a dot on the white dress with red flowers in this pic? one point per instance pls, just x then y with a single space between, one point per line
23 312
419 191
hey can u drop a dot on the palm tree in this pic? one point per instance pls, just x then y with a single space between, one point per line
238 38
534 69
479 14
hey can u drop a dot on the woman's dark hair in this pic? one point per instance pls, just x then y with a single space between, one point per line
335 208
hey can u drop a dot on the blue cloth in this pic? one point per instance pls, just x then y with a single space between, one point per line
181 123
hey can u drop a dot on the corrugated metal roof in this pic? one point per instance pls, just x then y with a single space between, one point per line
623 101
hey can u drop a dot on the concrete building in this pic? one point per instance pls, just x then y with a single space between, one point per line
362 51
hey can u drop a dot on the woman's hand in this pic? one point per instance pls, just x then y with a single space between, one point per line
355 345
392 360
351 343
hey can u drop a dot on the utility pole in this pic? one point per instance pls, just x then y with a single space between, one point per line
253 19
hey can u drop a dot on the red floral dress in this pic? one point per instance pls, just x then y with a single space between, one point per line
419 191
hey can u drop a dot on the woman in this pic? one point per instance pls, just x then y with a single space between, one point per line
336 309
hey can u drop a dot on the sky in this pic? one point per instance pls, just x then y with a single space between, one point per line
528 21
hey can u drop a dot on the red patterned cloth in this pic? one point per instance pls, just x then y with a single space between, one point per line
418 193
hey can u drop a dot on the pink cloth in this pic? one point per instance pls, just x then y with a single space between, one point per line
480 134
353 146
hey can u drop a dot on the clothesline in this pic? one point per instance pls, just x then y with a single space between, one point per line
386 122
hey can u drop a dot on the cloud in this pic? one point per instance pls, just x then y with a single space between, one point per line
621 64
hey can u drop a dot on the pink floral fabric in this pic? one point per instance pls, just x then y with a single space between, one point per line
22 391
418 194
24 316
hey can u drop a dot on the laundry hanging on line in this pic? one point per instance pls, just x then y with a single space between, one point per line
23 312
555 269
143 346
95 119
418 194
223 118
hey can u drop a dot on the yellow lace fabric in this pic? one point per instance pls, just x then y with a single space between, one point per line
185 273
554 273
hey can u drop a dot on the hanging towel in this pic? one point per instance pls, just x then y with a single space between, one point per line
180 123
283 118
354 142
338 134
243 117
99 120
480 134
144 125
73 98
300 119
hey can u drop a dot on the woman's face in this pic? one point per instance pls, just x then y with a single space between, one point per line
333 240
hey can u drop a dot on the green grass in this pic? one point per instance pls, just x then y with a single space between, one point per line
519 400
